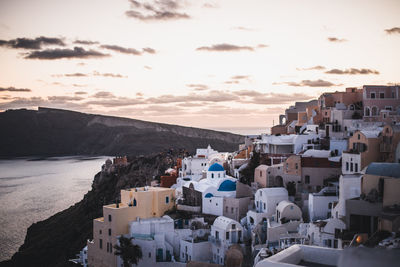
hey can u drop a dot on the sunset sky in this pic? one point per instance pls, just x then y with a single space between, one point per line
210 64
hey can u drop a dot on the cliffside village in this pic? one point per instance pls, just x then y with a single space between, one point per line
325 192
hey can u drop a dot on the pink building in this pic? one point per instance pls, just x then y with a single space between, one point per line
381 103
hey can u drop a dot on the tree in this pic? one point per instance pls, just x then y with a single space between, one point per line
129 252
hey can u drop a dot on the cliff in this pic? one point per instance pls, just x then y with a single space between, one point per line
55 132
55 240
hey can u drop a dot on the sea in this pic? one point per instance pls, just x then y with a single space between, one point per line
243 130
33 189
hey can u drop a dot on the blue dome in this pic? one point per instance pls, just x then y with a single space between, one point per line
216 168
227 185
208 195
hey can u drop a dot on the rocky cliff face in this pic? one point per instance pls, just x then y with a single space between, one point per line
53 132
53 241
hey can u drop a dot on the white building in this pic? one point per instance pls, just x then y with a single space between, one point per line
322 233
224 233
194 167
266 200
193 250
286 144
157 239
320 204
349 187
285 222
214 188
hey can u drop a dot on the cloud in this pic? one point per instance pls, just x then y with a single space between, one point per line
104 94
76 52
80 93
157 10
352 71
240 28
34 44
13 89
210 5
225 48
310 83
395 30
336 40
85 42
232 82
198 87
148 67
149 50
111 75
318 67
95 73
78 74
121 49
64 98
79 85
240 77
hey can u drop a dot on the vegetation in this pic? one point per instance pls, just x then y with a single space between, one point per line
247 174
130 253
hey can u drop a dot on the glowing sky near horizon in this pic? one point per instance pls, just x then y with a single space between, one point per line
225 63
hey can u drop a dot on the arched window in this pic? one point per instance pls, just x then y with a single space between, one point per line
212 175
374 111
367 111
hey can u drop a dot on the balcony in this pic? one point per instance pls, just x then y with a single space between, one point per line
385 147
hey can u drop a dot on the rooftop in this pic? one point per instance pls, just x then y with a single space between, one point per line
384 169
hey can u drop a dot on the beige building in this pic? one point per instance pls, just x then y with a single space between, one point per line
269 176
143 203
364 148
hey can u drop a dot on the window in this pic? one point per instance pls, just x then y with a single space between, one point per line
226 209
101 243
356 167
351 166
110 247
260 173
167 200
227 235
100 232
134 202
257 204
264 206
367 112
109 217
389 108
150 254
347 166
297 166
109 231
212 175
232 210
233 226
307 179
372 95
216 235
381 95
359 136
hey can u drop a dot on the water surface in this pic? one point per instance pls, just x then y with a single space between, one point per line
34 189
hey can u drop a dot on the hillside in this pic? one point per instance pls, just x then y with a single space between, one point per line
55 132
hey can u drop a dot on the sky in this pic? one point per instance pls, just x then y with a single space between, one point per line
209 64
